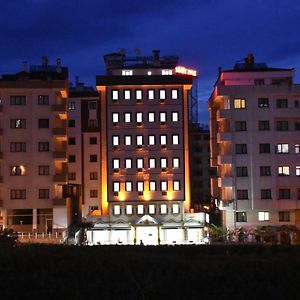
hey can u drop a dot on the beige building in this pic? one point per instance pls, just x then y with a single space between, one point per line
255 123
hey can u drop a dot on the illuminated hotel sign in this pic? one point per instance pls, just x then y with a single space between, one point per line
185 71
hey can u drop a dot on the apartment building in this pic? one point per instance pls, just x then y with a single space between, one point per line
255 123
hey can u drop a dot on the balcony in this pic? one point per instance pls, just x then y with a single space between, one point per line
60 155
225 182
62 177
223 136
224 159
223 114
60 110
59 201
59 131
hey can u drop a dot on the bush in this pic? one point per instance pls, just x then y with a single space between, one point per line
8 237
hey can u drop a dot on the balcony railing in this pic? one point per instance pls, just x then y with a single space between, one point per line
61 155
59 201
59 108
59 131
60 177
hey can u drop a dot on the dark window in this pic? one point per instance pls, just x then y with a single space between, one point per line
18 100
17 123
296 103
93 175
298 194
72 158
259 81
241 126
242 194
92 105
282 125
284 216
43 100
241 148
265 194
44 193
297 126
241 171
44 170
43 146
264 148
93 140
17 147
284 194
241 216
282 103
93 193
71 141
43 123
264 125
18 194
92 123
93 158
265 171
72 176
263 102
71 123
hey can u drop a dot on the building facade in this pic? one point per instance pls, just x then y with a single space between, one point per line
255 123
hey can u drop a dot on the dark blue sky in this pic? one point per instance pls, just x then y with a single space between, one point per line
205 34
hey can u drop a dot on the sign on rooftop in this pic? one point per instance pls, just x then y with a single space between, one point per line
185 71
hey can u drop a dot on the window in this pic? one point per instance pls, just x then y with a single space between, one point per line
151 140
17 123
241 148
128 163
92 105
72 158
127 94
162 94
265 194
17 194
263 216
139 140
282 103
174 94
296 103
264 148
297 170
115 140
17 147
17 170
241 216
139 117
152 162
163 209
242 194
43 100
284 194
241 171
151 117
140 209
175 116
163 163
117 210
284 171
175 162
127 72
44 170
164 186
265 171
115 95
116 186
44 193
71 105
128 186
298 194
72 176
175 139
115 118
151 209
264 125
282 125
140 186
92 123
284 216
297 148
71 123
93 140
176 185
297 126
239 103
129 210
259 81
163 117
93 175
263 102
17 100
116 163
163 140
71 141
140 163
149 73
282 148
240 126
166 72
138 94
127 140
43 146
43 123
152 186
93 158
127 117
175 209
150 94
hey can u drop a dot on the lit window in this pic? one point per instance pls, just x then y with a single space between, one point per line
139 117
127 94
115 95
175 162
297 170
138 94
115 117
140 163
140 186
163 139
116 186
128 163
17 171
163 163
149 73
71 105
175 116
282 148
175 139
162 94
129 209
174 94
127 140
116 163
152 186
239 103
117 209
127 72
176 185
127 117
151 209
163 186
151 139
128 186
297 148
263 216
163 117
151 117
150 94
140 209
115 139
283 170
152 163
17 123
166 72
139 140
163 209
175 208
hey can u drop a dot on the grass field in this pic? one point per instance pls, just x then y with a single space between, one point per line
134 272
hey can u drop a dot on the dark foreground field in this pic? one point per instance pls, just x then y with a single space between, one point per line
183 272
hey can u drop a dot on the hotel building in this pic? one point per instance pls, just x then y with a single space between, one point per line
255 123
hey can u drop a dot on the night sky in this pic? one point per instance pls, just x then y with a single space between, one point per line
205 34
